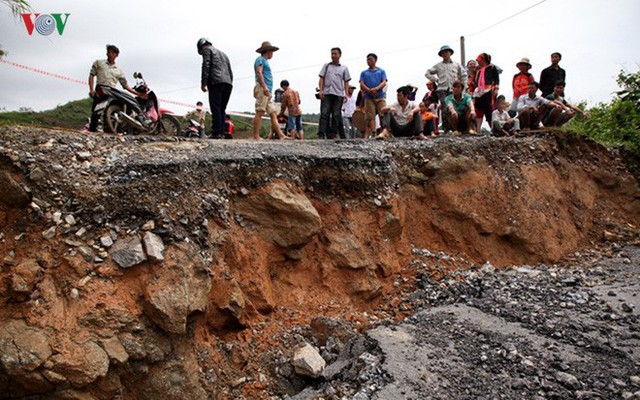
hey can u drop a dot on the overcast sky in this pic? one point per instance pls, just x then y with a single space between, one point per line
597 39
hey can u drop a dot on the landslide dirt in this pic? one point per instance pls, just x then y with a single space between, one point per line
257 239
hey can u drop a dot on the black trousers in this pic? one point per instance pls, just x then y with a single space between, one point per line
219 95
331 117
95 118
413 128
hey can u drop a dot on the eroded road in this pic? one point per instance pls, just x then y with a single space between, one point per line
529 332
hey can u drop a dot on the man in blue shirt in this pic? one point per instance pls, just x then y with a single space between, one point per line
262 91
372 83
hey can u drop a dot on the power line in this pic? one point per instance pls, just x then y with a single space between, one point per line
301 67
506 19
401 50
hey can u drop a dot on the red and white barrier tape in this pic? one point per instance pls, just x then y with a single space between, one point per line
66 78
43 72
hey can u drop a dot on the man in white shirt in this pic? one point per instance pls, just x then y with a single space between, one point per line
402 119
532 108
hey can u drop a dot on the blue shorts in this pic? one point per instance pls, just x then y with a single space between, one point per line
295 123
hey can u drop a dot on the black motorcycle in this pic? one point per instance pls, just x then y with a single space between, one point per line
126 114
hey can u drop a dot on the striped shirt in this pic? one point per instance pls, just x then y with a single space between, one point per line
445 73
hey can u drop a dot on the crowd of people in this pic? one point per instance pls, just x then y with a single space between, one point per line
464 97
458 100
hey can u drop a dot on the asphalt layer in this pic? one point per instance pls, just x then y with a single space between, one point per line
528 332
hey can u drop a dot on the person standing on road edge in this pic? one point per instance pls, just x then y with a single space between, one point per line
291 104
372 83
444 74
520 83
552 75
334 88
263 89
217 79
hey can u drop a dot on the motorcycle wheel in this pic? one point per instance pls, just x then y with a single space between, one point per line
112 123
170 125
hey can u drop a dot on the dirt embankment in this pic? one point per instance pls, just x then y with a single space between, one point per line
150 267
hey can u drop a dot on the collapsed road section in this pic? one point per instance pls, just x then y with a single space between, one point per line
162 267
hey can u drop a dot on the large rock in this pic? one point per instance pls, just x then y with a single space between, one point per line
173 380
115 350
322 328
229 305
23 348
25 276
236 303
12 195
365 284
128 252
152 346
154 246
287 218
568 380
308 362
346 251
182 288
81 363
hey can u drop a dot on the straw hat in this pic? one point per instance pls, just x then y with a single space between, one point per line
266 46
525 60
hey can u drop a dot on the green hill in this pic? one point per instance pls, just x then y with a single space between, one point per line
72 115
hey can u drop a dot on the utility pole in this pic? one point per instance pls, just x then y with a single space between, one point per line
462 52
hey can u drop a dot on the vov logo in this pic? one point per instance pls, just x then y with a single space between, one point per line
45 24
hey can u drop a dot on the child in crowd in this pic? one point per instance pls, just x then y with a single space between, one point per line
501 122
430 100
429 118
